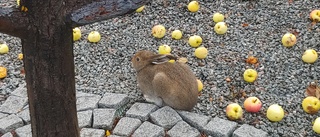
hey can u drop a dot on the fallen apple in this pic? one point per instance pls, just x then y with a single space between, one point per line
288 40
76 34
158 31
252 104
315 15
3 72
140 9
183 60
218 17
310 56
200 85
195 41
20 56
201 52
164 49
94 36
193 6
221 28
275 113
250 75
316 125
234 111
176 34
4 49
311 104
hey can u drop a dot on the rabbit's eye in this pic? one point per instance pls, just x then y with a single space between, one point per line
138 59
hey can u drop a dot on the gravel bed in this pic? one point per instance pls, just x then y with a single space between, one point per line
255 27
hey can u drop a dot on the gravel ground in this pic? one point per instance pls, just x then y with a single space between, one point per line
283 77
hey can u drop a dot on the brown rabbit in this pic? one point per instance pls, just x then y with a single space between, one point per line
165 83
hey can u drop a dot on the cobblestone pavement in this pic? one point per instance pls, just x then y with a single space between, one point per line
113 112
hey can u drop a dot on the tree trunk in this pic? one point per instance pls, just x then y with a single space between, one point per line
49 68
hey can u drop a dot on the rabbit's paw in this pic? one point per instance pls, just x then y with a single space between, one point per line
153 99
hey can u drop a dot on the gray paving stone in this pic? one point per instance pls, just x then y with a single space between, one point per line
126 126
3 115
148 129
114 136
165 117
21 91
249 131
8 134
91 132
183 129
25 115
87 102
103 118
24 131
195 120
218 127
113 100
9 123
84 118
141 111
13 104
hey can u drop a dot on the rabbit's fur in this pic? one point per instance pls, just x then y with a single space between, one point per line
165 83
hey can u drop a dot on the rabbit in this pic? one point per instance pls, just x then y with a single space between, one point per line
165 83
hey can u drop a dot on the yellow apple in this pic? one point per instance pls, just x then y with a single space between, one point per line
200 85
176 34
275 113
183 60
311 104
94 36
310 56
315 15
20 56
76 34
164 49
4 49
288 40
252 104
201 52
250 75
221 28
193 6
234 111
195 41
140 9
3 72
158 31
316 125
218 17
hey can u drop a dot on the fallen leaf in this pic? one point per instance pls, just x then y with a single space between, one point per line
22 71
318 91
295 32
245 25
228 79
312 89
252 60
255 122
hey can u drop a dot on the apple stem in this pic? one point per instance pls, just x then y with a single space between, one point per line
255 100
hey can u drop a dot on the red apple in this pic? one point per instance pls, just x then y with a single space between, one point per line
252 104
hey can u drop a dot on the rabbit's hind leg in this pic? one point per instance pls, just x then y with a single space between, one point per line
153 99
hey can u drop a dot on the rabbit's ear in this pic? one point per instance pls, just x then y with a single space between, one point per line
159 59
